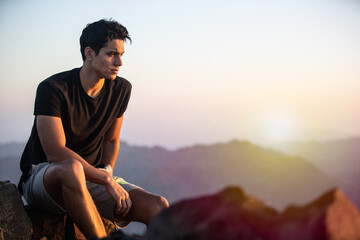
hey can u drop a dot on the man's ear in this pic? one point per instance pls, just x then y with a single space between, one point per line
89 53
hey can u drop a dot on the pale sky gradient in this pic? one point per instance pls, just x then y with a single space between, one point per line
202 71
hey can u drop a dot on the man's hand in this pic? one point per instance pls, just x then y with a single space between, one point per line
110 151
123 204
122 198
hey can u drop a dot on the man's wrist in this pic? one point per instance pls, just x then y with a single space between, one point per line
106 168
105 178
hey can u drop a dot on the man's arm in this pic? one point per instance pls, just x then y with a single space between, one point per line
112 143
53 140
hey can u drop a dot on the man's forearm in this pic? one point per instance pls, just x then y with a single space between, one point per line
110 152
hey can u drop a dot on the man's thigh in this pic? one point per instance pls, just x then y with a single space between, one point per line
38 197
35 192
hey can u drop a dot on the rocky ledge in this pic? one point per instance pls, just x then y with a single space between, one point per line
233 215
228 215
23 223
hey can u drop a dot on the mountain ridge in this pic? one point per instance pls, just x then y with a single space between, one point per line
268 173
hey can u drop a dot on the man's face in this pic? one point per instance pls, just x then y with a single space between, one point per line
108 61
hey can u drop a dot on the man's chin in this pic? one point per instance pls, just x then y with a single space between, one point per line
112 77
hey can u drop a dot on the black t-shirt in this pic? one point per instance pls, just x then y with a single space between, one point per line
85 119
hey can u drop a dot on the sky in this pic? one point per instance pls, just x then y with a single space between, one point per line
203 71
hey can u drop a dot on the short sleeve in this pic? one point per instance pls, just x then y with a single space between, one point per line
125 99
48 100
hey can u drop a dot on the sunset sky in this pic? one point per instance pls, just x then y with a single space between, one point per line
203 71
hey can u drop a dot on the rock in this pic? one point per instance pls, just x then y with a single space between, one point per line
19 222
331 216
14 221
1 234
58 227
119 235
231 214
46 225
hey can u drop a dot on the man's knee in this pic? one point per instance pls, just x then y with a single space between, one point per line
161 203
70 169
65 177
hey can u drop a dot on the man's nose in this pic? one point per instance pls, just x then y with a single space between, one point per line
118 61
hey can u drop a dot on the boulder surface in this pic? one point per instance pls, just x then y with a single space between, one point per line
233 215
15 223
19 222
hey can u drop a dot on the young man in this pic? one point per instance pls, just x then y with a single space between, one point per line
67 163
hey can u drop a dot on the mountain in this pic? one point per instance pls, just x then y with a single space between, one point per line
12 149
338 158
192 171
10 161
10 169
270 175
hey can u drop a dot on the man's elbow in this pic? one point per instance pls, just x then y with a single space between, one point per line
115 142
54 154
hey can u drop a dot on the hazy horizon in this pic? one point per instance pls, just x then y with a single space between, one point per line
202 71
279 146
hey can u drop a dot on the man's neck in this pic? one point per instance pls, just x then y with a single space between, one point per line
90 82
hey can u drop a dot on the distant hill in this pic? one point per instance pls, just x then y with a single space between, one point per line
13 149
338 158
10 161
269 175
10 169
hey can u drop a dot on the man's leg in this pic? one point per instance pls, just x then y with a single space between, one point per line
65 182
144 207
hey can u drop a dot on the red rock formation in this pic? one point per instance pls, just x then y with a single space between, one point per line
332 216
231 214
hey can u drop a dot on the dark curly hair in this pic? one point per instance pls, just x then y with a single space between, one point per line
97 34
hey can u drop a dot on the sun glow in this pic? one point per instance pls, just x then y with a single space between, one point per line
277 128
